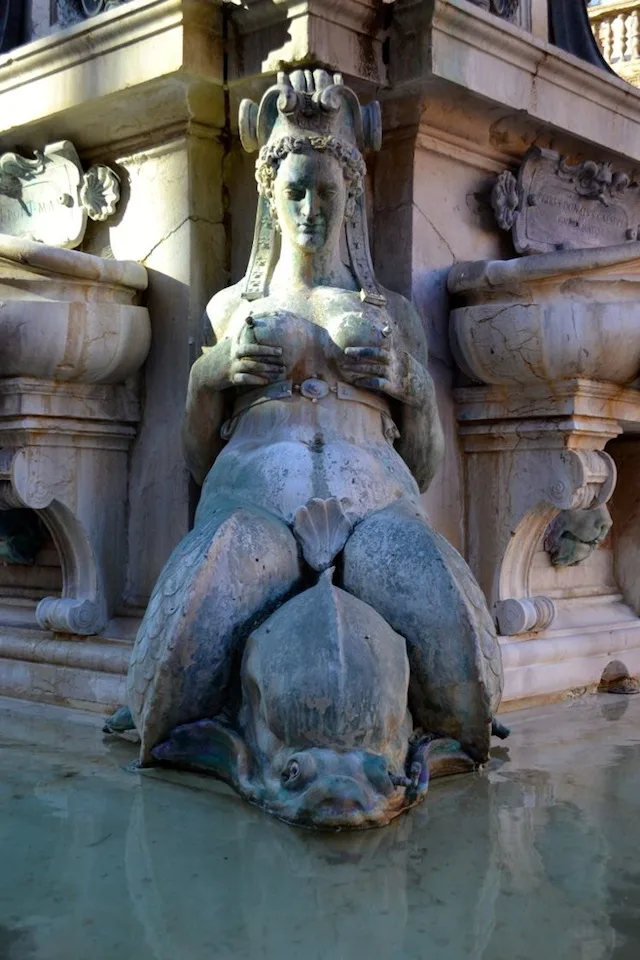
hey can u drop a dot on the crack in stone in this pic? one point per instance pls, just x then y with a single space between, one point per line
192 218
436 231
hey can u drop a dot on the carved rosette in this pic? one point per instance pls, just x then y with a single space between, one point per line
502 8
100 192
505 200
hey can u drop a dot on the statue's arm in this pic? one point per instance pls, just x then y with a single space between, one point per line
421 443
205 409
236 360
208 397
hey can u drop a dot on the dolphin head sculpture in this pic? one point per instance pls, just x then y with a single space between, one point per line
323 735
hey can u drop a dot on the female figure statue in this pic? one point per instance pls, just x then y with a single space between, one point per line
311 423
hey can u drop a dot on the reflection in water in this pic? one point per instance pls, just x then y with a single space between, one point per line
426 883
614 708
534 858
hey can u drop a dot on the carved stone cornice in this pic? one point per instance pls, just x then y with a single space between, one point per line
172 49
343 35
457 47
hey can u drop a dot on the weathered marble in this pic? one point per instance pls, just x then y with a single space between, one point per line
558 205
549 318
306 463
551 338
49 197
73 333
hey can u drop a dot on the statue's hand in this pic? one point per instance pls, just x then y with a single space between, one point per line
254 364
367 367
395 373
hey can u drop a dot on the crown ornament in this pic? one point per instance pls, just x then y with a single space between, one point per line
311 109
310 102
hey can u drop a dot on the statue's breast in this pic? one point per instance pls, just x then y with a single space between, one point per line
306 346
313 328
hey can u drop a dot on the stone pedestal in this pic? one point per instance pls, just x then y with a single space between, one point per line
541 332
74 337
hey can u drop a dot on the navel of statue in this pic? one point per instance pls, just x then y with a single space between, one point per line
313 641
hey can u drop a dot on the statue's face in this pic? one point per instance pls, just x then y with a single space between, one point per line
310 196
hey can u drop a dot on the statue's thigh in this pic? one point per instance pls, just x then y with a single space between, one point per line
228 573
398 564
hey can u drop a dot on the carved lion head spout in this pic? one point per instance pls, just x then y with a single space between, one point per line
323 734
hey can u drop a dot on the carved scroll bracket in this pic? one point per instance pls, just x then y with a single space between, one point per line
60 474
521 473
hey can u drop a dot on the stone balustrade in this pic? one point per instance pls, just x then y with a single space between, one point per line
616 27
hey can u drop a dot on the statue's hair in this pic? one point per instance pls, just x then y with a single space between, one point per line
350 158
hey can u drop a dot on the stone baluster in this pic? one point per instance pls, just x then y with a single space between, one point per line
632 50
618 29
605 39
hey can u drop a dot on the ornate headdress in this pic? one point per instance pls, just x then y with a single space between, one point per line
311 109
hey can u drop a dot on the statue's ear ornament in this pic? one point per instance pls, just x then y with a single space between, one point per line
248 125
302 104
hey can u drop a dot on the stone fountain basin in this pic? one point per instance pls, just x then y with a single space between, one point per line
549 317
70 316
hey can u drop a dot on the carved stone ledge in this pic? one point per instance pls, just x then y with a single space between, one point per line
459 48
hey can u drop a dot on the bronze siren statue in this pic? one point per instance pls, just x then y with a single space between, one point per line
313 641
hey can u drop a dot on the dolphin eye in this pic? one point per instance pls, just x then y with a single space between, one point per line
298 771
291 771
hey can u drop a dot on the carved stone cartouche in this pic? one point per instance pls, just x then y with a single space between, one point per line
554 204
313 641
50 197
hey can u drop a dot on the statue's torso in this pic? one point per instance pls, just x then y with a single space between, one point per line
281 453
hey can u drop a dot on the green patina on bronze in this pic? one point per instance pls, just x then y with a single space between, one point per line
313 641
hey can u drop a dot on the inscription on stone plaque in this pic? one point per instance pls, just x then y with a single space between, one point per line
556 205
49 197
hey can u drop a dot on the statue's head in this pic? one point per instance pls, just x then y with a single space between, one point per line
311 133
311 185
